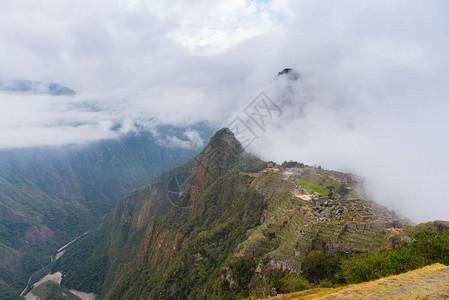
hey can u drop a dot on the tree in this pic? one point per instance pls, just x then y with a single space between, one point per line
331 191
343 190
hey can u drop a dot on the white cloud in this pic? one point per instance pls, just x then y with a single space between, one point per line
372 97
218 26
372 100
192 140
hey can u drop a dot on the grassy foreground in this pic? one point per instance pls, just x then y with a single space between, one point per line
430 282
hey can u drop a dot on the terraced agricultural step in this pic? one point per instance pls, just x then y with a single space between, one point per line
362 234
298 219
351 239
364 237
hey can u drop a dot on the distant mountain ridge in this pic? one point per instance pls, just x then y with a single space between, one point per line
148 217
50 195
234 227
35 87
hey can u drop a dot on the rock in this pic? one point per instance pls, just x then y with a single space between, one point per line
38 234
258 268
229 277
268 234
438 225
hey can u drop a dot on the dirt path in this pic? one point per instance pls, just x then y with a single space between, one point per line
59 253
56 278
84 296
431 282
71 242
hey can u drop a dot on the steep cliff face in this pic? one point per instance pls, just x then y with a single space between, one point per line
133 229
221 153
223 224
90 265
182 253
206 222
50 195
297 210
163 229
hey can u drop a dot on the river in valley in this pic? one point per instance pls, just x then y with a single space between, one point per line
27 293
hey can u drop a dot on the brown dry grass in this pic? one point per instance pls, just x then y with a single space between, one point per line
430 282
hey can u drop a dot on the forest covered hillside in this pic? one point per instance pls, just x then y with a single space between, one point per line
228 225
51 195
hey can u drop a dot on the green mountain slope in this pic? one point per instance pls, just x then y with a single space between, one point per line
193 248
223 226
33 224
48 196
173 210
90 264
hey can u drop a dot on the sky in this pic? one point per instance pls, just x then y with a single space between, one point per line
370 96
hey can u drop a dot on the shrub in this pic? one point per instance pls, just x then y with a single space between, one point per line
292 164
318 267
294 283
429 246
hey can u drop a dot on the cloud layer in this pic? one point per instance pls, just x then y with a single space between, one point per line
372 97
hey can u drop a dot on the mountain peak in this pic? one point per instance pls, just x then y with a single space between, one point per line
220 154
35 87
225 138
288 73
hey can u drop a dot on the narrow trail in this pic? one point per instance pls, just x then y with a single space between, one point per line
26 293
180 188
71 242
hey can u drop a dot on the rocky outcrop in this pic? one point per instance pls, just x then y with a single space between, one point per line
7 215
221 153
438 225
9 258
38 234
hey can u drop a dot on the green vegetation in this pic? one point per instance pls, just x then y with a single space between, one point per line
277 280
311 186
324 186
91 263
41 273
429 246
49 196
343 190
49 291
33 226
247 174
228 209
240 270
293 283
319 267
155 245
292 164
330 270
7 290
251 164
209 230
